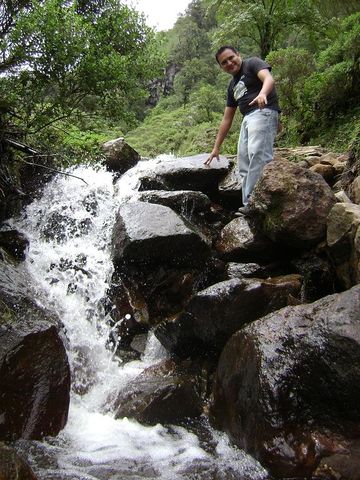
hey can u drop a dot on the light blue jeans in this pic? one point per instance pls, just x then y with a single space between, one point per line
255 148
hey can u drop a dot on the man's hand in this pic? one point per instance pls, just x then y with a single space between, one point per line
214 154
261 101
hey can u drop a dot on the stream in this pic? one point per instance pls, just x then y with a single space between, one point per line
70 229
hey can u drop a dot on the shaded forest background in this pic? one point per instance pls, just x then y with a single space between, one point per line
76 73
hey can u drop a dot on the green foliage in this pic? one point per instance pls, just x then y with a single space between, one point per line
206 102
61 54
191 41
291 67
194 71
179 130
263 23
335 87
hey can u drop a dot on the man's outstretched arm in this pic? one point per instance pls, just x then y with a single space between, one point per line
224 127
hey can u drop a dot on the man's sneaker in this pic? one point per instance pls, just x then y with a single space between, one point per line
242 211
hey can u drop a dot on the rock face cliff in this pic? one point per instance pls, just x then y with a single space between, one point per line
259 313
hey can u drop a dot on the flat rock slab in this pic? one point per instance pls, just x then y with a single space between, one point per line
187 173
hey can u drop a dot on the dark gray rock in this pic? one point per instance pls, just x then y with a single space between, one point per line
187 173
184 202
288 384
15 243
34 372
164 393
214 314
145 233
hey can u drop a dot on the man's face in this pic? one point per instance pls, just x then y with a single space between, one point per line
230 61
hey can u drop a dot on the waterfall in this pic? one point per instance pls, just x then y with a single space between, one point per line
69 229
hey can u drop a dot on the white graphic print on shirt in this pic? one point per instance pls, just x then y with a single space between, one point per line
239 90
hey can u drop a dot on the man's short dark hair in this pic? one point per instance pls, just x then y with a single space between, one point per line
222 49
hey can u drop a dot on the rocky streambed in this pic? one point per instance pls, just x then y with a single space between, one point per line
259 315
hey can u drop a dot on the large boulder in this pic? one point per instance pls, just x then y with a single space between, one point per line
195 207
164 393
290 205
145 233
119 156
214 314
343 240
158 257
240 241
34 372
187 173
288 385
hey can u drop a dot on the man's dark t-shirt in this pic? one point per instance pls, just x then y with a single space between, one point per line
245 86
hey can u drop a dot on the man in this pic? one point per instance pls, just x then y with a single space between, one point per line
252 89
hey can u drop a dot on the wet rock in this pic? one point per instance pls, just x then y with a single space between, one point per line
61 226
240 241
231 185
12 466
318 276
256 270
188 173
290 205
148 234
127 299
343 240
341 465
195 207
288 384
184 202
34 372
355 191
164 393
15 243
124 332
119 156
214 314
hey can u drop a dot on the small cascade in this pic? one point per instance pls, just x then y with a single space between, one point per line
70 229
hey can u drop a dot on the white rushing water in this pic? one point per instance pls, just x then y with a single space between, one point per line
69 230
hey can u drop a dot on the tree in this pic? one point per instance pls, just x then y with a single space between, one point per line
265 23
206 100
56 53
291 67
334 88
194 72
